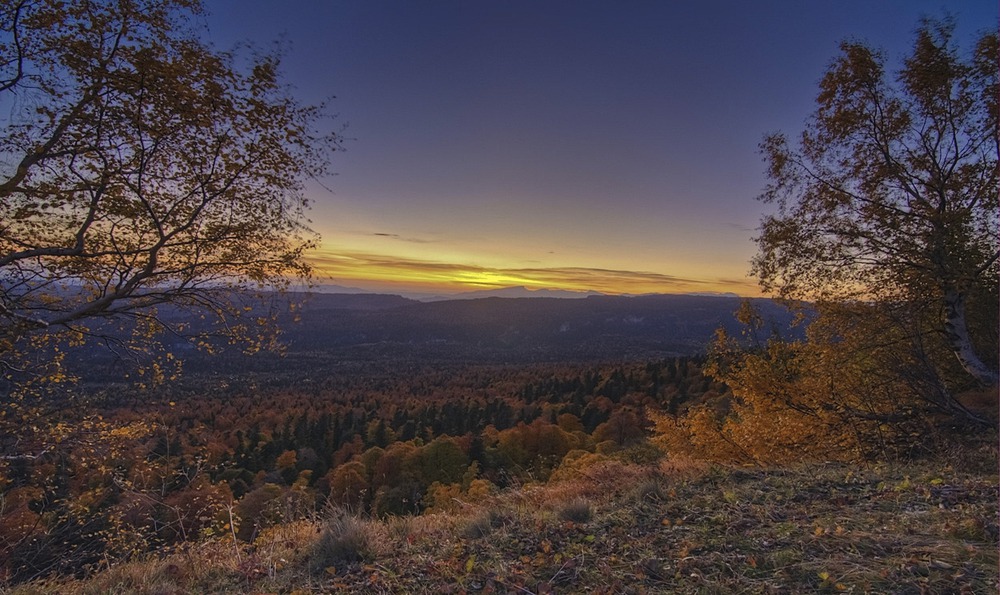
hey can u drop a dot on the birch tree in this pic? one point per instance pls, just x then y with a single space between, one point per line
889 199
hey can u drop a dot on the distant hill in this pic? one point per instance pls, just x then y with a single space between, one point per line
319 302
516 292
331 288
597 326
330 331
504 292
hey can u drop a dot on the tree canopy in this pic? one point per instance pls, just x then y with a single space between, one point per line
139 167
884 234
890 197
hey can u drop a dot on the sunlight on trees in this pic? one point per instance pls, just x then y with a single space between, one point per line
885 237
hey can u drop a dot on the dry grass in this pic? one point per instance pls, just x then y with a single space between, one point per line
344 539
674 527
577 510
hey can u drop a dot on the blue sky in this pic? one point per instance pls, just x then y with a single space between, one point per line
574 144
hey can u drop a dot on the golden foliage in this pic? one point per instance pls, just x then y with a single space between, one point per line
890 196
151 173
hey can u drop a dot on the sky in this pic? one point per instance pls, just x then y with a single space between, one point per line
607 146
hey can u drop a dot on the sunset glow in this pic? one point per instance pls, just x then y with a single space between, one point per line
559 145
386 273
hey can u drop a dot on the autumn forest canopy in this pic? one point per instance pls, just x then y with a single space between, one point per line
161 383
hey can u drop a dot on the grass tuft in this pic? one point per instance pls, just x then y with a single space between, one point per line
343 539
484 523
577 510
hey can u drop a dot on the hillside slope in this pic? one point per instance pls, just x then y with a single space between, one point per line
607 525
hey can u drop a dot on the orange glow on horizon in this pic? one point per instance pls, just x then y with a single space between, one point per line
404 274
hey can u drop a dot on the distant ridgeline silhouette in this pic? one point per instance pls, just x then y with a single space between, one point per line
331 329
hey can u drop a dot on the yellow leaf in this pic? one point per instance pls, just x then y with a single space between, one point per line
470 563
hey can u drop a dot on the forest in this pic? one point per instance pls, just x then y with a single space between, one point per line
358 475
178 415
405 440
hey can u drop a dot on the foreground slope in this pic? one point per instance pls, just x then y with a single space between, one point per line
610 525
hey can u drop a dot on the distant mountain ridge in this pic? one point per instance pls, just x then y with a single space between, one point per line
518 291
505 292
593 326
328 331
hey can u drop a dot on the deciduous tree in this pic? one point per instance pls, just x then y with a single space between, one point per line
889 199
141 169
885 232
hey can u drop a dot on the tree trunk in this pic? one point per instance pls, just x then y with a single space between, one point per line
957 330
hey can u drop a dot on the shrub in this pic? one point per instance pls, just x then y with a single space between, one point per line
484 523
344 539
577 510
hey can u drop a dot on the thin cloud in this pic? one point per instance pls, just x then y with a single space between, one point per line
383 267
396 236
742 227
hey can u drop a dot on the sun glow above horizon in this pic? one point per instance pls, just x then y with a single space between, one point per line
383 271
